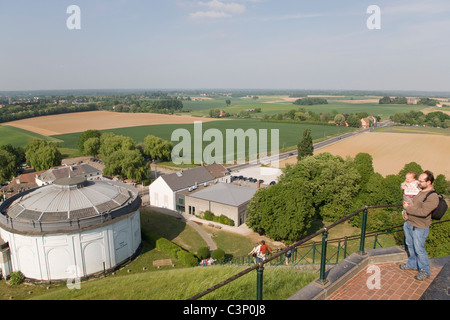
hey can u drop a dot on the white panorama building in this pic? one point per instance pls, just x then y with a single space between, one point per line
73 225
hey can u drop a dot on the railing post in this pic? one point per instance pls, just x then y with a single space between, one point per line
345 247
362 252
259 281
323 259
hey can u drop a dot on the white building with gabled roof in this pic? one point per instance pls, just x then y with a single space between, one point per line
164 189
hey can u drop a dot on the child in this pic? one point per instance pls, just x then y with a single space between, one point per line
410 188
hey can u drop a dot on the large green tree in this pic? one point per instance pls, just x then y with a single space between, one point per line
305 147
110 143
86 135
42 155
126 164
157 148
333 182
322 184
92 146
283 212
363 162
7 165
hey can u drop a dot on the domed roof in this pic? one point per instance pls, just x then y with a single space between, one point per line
71 199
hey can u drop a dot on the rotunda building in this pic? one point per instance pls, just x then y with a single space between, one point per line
72 228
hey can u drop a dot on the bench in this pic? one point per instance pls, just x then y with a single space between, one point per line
164 262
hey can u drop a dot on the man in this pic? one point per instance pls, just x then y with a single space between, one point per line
263 251
417 226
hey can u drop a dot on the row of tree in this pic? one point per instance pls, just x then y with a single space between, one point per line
310 101
432 119
47 107
18 112
395 100
301 115
328 188
404 100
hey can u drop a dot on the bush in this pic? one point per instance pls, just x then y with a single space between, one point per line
16 278
203 253
208 215
187 258
219 255
168 247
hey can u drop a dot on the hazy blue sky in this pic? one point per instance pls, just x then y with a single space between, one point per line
281 44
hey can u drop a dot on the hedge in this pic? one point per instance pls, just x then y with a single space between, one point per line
187 258
168 247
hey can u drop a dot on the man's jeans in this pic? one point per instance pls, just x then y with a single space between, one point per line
415 241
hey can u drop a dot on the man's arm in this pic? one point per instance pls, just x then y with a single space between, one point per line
425 209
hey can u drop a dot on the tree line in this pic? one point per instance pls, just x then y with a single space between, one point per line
44 107
310 101
334 118
432 119
326 187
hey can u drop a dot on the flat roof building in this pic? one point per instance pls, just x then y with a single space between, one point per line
221 199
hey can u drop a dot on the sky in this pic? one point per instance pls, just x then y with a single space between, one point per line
229 44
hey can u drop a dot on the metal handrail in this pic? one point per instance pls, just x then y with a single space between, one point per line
260 266
324 232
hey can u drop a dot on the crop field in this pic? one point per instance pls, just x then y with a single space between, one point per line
281 104
289 133
391 151
19 137
100 120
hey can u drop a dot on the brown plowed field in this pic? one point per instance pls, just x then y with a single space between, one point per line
100 120
391 151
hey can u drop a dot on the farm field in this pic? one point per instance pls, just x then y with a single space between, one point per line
290 133
19 137
391 151
100 120
280 104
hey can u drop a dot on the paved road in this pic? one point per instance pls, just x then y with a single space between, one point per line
317 146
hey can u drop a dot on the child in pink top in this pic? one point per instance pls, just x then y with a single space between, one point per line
410 188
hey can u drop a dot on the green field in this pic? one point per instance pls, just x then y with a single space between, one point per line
270 106
290 133
19 137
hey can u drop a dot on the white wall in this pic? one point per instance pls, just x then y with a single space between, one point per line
51 257
161 195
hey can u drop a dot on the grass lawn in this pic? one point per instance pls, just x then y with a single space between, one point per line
172 229
180 284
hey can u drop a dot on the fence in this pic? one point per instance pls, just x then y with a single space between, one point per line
342 246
